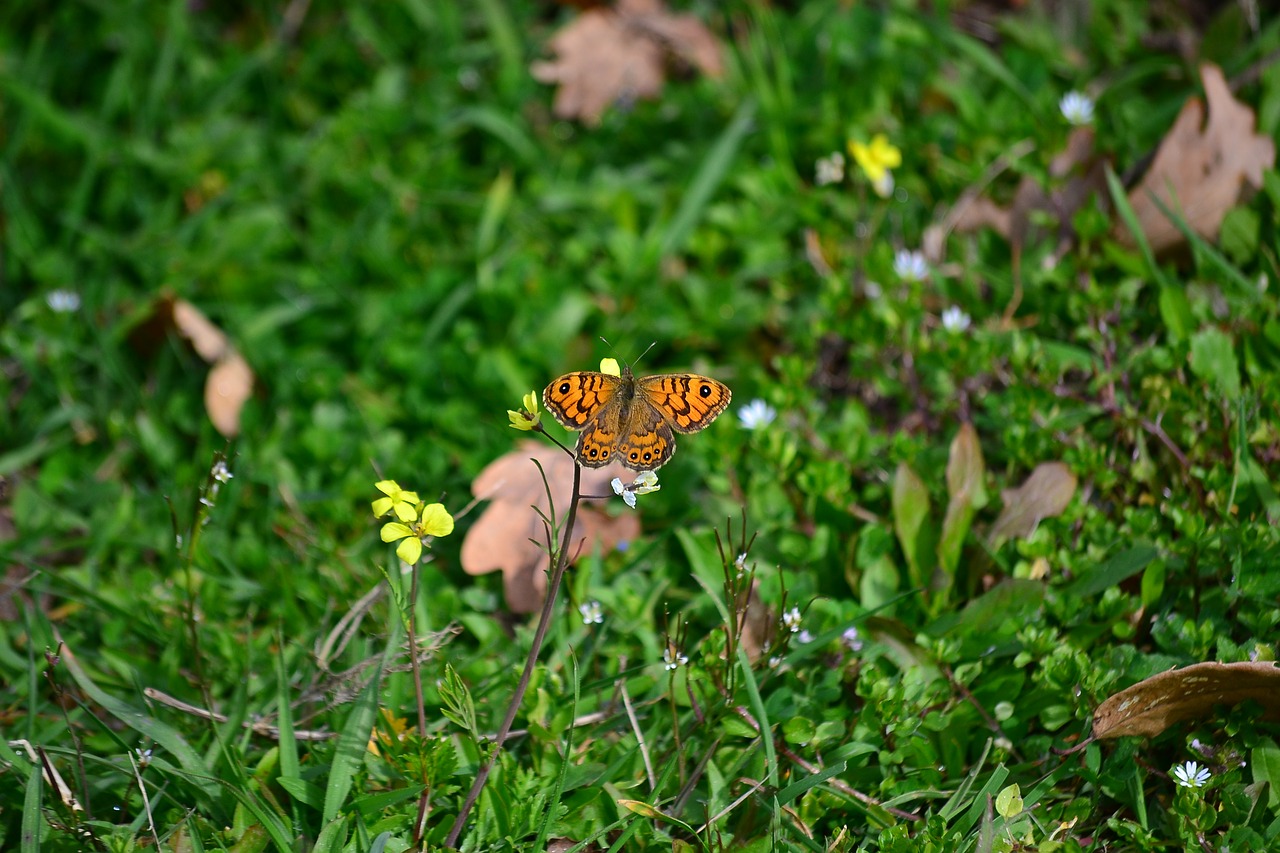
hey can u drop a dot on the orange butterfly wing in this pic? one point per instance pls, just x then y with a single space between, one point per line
576 398
687 401
588 401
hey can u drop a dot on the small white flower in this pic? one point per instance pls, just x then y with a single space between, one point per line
954 320
646 482
830 169
883 185
791 619
910 265
804 637
1191 775
220 471
851 639
628 496
1077 108
143 757
592 612
63 301
672 659
756 415
207 502
872 289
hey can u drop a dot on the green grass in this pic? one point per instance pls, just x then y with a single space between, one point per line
402 240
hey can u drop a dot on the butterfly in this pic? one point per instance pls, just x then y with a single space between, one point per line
633 421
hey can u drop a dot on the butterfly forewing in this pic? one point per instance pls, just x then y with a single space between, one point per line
689 402
575 398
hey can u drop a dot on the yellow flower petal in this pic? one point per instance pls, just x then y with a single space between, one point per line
407 512
876 159
531 403
610 366
520 420
387 487
393 530
436 521
382 506
885 152
409 550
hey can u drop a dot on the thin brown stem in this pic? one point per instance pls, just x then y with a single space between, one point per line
539 634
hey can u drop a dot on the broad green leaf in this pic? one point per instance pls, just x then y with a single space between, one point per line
1121 567
965 474
1213 359
910 509
1009 802
1264 761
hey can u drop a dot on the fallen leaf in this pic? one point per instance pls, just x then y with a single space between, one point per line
226 390
608 55
1076 173
1042 495
230 381
500 538
1202 168
1154 704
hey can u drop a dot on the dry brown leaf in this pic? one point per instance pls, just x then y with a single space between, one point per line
608 55
227 388
1201 169
1077 173
230 381
1156 703
1044 494
500 537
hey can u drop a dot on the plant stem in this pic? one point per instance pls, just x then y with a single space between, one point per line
412 624
544 622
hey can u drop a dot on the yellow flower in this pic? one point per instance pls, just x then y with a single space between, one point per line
404 503
610 366
528 417
398 726
434 521
876 160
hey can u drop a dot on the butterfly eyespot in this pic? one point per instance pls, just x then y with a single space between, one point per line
647 456
634 456
593 453
705 390
564 387
604 454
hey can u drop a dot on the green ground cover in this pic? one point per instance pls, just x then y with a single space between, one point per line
379 207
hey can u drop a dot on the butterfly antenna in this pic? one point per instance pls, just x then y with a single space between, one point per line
646 351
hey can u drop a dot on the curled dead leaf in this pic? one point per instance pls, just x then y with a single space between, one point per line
1156 703
608 55
1044 494
1201 168
229 384
500 539
227 388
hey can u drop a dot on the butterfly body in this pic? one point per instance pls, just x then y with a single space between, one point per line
633 421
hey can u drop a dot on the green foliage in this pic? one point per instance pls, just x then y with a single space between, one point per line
377 205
